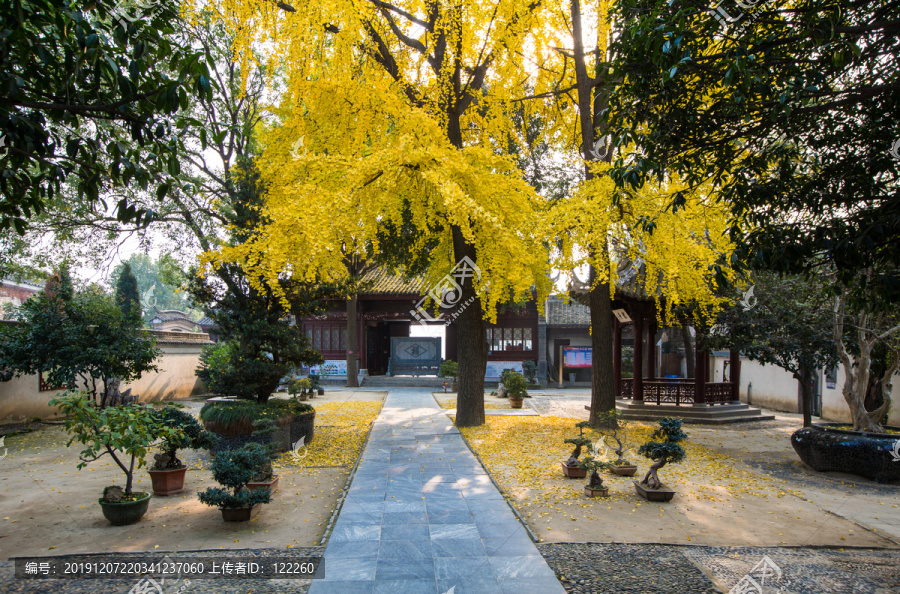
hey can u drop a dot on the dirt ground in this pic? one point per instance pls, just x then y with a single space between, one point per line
739 486
49 507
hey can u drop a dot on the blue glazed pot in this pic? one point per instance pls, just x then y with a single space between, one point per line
871 455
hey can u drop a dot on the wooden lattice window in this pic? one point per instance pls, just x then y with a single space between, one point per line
509 339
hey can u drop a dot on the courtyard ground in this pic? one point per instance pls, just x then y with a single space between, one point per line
740 485
744 499
47 507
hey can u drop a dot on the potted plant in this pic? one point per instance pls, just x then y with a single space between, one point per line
516 388
123 432
314 384
297 388
232 422
167 473
614 429
594 486
570 467
265 479
662 452
233 469
450 369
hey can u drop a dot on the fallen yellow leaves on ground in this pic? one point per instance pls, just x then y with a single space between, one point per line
340 433
524 454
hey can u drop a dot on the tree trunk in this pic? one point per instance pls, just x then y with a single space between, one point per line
352 343
472 352
804 376
651 479
473 348
688 351
603 397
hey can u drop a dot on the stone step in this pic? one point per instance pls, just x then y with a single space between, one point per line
712 415
386 381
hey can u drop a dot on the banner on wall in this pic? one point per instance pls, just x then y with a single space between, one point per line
495 368
330 367
577 357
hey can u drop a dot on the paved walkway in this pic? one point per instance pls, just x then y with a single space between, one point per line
422 516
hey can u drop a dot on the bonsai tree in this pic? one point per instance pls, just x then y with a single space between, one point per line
449 369
579 442
592 465
233 469
515 384
123 432
298 386
664 451
612 428
76 338
314 382
190 434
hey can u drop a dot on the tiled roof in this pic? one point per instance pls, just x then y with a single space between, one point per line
381 282
206 321
167 315
632 281
561 313
37 285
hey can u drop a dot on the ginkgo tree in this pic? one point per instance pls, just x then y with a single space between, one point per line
677 231
392 107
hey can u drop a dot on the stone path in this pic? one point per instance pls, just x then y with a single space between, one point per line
422 516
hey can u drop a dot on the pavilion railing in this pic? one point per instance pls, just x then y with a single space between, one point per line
677 391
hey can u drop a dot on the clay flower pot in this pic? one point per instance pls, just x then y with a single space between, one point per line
240 514
662 494
269 486
516 402
589 492
624 470
126 512
573 471
167 482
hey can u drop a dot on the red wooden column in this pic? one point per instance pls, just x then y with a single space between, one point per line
701 372
617 357
638 391
651 349
734 364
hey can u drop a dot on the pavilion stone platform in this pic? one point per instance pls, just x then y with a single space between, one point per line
717 414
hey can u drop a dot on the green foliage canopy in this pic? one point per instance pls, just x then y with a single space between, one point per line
75 337
91 96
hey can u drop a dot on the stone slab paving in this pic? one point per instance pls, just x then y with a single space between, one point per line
422 516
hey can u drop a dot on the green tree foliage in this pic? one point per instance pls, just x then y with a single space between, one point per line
75 338
791 111
253 319
787 322
92 96
123 432
127 298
